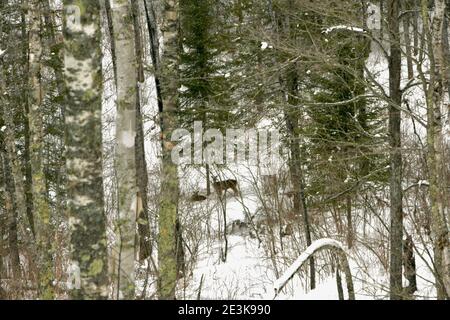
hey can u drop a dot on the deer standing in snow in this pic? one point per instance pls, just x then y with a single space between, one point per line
222 186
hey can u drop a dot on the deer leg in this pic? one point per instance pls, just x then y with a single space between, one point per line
236 191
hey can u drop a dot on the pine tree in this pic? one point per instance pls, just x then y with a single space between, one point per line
205 96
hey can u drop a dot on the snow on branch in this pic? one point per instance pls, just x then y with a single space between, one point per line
318 245
2 52
421 183
342 27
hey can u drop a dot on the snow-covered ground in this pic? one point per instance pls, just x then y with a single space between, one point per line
252 267
249 273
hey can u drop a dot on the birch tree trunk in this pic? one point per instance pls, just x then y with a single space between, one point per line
87 220
125 57
168 247
42 212
396 206
446 39
437 103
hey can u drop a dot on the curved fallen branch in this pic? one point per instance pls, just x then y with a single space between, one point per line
319 245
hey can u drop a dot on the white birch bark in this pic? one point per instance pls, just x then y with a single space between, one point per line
126 70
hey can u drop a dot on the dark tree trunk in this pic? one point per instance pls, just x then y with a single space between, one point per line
11 222
409 264
350 231
407 37
415 22
339 282
145 244
396 208
109 20
27 155
295 165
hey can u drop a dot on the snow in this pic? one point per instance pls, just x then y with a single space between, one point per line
248 272
342 27
243 276
290 272
2 52
423 183
2 129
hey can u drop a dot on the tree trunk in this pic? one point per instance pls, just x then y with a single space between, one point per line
145 244
11 151
396 207
57 63
13 178
26 110
83 61
340 289
42 211
127 76
407 37
168 246
154 48
350 231
415 23
436 97
109 19
295 165
409 263
13 181
11 221
446 40
2 231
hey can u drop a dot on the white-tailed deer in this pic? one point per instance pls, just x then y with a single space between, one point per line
222 186
196 197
